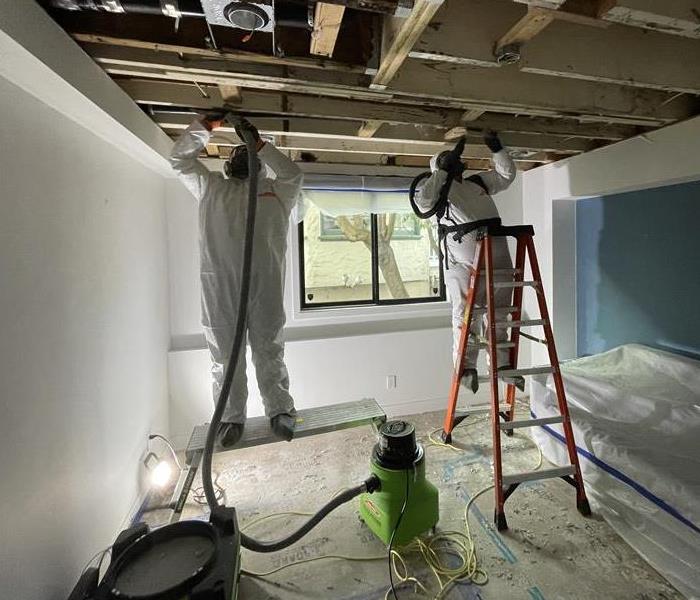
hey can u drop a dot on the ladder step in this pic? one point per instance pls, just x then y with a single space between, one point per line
507 284
521 372
507 425
498 345
505 310
537 475
480 409
507 271
527 323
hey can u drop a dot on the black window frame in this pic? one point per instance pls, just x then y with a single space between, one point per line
374 258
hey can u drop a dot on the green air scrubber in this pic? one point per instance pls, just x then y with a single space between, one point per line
399 462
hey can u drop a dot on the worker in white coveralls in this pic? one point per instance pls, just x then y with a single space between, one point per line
470 200
222 210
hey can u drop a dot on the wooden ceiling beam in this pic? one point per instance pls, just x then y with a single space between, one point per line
622 56
423 140
206 97
676 17
424 84
398 37
223 54
512 91
327 21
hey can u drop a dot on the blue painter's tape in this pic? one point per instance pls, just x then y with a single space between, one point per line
637 487
535 593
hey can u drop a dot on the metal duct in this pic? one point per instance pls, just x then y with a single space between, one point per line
287 15
169 8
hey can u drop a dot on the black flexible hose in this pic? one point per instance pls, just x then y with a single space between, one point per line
342 498
241 321
443 197
238 346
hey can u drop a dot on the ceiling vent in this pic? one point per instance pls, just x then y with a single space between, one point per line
250 16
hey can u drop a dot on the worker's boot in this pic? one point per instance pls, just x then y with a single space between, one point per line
470 380
283 426
229 434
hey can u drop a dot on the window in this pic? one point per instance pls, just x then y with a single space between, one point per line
367 258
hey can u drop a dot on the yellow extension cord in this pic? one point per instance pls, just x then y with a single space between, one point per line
459 544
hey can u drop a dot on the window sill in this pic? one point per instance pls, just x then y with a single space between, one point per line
366 320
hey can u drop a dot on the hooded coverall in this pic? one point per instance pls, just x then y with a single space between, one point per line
222 210
468 202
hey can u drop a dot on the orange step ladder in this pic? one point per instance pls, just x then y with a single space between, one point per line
502 416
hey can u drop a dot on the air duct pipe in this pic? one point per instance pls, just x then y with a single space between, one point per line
286 15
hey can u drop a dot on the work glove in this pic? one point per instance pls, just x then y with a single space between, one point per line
451 160
213 120
244 126
492 141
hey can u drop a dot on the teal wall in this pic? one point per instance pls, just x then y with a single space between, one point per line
638 270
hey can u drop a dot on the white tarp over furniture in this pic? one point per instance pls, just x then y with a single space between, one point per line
636 418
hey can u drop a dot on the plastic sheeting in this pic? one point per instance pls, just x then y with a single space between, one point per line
636 418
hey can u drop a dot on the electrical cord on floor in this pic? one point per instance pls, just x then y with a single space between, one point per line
200 497
167 442
458 544
393 535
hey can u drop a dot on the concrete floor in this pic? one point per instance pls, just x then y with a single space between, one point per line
550 551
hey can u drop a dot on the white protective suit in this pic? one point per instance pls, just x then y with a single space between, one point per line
222 210
469 202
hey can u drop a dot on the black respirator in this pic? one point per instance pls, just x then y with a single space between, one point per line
236 167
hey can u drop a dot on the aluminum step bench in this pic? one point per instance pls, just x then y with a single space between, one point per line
309 421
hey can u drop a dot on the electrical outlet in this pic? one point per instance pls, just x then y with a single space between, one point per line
390 382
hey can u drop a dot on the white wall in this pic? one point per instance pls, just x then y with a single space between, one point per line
333 355
658 158
83 356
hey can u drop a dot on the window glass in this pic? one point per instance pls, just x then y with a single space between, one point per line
337 258
407 253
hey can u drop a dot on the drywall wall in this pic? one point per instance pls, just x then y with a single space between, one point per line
662 157
637 270
332 355
83 357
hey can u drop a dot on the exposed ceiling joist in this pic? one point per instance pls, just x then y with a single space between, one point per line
327 21
369 128
206 97
619 55
676 17
509 90
398 37
321 130
446 86
223 54
527 27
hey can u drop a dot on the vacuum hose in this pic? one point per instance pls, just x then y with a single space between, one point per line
440 205
238 346
241 320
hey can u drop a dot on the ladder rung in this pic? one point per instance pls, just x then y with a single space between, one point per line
507 284
528 323
521 372
498 345
480 409
507 271
537 475
531 422
506 310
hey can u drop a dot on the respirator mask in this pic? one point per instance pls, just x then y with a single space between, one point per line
237 164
